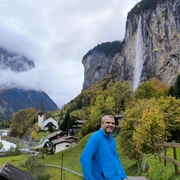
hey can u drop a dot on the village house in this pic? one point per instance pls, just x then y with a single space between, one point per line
60 142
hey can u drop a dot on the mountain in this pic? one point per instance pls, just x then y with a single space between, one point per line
14 99
150 47
15 62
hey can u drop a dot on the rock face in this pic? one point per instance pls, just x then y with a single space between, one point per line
15 62
151 47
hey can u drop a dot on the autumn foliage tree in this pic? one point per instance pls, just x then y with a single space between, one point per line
104 104
148 122
121 92
143 127
22 121
171 115
151 89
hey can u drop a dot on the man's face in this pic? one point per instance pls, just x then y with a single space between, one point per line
108 125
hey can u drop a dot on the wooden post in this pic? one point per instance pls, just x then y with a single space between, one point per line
159 151
164 155
61 165
175 157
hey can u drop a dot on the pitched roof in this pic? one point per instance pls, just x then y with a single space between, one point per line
41 108
54 134
13 173
59 141
67 139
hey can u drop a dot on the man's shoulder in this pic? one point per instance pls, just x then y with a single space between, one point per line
97 133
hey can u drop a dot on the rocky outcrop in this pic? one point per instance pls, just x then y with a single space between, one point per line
151 47
15 62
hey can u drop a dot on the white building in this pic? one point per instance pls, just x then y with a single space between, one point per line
43 124
63 143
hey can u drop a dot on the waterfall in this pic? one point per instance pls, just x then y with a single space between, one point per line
138 60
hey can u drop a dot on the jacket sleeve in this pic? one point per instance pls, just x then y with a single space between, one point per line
120 167
123 174
87 155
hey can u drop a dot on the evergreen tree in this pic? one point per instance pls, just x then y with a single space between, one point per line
65 124
177 87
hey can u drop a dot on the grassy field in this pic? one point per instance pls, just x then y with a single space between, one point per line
40 135
155 170
14 160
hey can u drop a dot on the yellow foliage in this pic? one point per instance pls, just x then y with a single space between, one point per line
33 134
161 87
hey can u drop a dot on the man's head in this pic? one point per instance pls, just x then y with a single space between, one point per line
108 124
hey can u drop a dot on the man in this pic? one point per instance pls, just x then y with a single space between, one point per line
99 159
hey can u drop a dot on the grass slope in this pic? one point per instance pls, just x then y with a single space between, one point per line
154 169
71 160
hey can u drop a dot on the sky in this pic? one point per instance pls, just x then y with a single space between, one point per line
56 34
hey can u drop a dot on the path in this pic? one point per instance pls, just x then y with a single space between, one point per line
137 178
79 174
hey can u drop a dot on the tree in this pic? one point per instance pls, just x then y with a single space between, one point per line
174 90
68 123
171 113
145 90
65 123
36 168
21 121
103 105
121 92
151 89
143 126
160 87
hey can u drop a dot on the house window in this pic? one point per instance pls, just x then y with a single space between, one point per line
66 146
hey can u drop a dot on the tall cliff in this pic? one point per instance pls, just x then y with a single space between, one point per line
151 47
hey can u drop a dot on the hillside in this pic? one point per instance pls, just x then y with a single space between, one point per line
71 157
12 100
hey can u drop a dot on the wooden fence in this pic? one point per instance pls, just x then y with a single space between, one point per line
174 161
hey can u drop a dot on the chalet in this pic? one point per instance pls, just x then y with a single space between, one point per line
10 172
60 142
78 122
63 143
55 135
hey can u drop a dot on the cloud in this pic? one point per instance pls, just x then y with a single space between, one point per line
56 34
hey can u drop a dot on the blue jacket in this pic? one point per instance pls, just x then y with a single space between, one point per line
99 159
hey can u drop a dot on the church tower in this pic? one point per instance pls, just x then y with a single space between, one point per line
41 115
